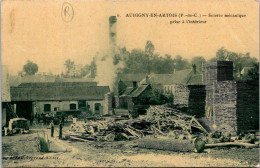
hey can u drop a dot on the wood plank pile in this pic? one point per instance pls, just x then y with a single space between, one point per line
166 119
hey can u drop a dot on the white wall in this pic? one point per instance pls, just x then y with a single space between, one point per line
63 105
92 104
168 89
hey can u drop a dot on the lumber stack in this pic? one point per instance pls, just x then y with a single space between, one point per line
166 119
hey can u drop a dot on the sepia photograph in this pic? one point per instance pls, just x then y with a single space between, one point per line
130 83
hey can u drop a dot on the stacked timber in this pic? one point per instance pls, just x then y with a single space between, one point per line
166 119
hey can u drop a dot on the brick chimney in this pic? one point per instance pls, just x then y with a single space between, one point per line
134 84
194 68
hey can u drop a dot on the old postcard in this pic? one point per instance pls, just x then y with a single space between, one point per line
124 83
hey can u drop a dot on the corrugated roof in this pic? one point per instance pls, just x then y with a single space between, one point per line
58 93
168 79
53 84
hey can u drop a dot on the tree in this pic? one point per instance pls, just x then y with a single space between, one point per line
214 59
253 74
221 54
30 68
69 64
181 63
149 48
239 60
146 61
198 61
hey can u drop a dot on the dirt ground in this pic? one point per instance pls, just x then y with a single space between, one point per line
19 150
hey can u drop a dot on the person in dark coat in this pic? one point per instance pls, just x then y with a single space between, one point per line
39 118
60 131
62 119
52 128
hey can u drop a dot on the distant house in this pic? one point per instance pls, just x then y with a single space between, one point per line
30 98
130 95
245 70
128 82
167 82
164 82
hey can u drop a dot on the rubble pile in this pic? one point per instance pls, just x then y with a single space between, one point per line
162 127
110 129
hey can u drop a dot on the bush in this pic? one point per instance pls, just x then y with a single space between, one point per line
42 144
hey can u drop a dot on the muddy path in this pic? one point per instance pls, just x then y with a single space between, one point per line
117 153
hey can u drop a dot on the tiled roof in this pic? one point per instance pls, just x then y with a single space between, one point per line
63 84
138 90
58 93
183 76
131 77
128 90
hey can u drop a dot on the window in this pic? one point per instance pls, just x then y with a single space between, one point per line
97 106
73 106
56 108
47 107
82 104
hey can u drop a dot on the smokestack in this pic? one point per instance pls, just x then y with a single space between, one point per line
112 34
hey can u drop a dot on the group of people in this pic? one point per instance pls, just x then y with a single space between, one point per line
45 117
60 128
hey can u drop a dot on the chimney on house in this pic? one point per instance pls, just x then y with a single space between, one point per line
194 68
134 84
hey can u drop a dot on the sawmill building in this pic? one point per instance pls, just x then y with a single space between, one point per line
29 98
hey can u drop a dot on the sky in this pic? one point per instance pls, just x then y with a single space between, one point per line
35 30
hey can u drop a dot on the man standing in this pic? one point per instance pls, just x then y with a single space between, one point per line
60 132
62 119
52 128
